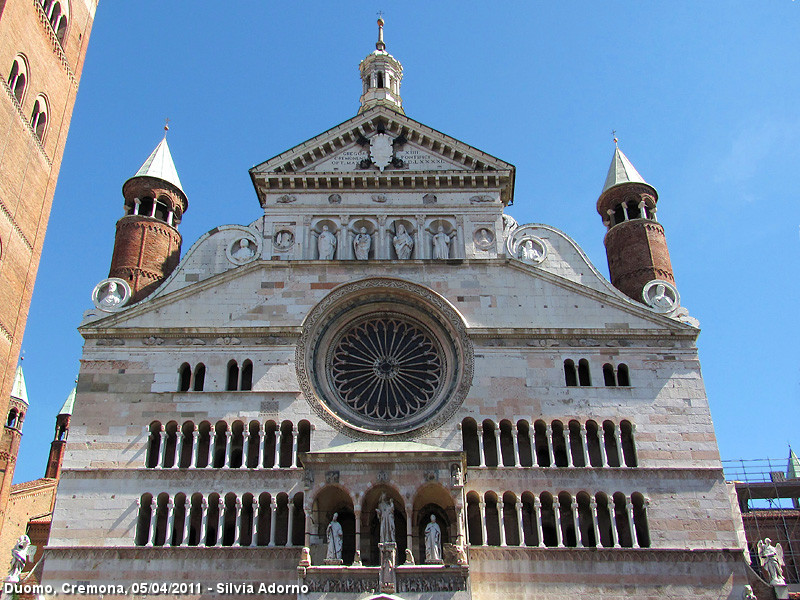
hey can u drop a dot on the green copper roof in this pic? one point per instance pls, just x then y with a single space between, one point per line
18 390
69 403
159 164
793 468
621 171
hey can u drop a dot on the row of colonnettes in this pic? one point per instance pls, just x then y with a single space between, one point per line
553 520
278 444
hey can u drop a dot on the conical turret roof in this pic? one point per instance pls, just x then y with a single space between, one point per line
69 403
621 171
160 165
793 468
18 390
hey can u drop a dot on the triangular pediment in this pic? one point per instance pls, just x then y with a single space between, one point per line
382 149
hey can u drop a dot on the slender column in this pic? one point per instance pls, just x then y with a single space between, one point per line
136 203
170 522
195 448
460 532
584 440
220 521
237 519
170 215
601 437
557 511
245 447
419 237
497 443
381 247
501 520
642 209
273 506
256 516
295 431
519 524
178 449
203 523
620 453
155 205
162 449
289 523
629 510
515 440
482 507
595 523
549 436
568 443
633 445
309 524
532 440
625 209
262 442
357 514
410 531
537 507
480 444
151 538
212 442
576 524
308 239
614 534
278 436
187 519
228 448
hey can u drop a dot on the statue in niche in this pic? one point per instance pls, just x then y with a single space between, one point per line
433 542
441 243
20 553
530 252
334 535
113 298
244 251
660 299
361 244
403 243
409 557
385 512
326 244
771 559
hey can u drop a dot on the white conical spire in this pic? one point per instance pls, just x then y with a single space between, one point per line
18 390
160 165
69 403
621 171
381 75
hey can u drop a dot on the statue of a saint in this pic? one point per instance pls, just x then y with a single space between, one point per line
402 243
334 535
441 244
385 512
530 252
20 554
771 559
361 244
433 542
326 244
113 298
661 300
244 251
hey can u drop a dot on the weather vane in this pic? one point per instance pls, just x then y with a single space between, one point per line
614 133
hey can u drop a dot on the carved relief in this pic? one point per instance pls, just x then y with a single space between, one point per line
481 198
661 296
483 238
523 245
335 199
380 150
429 199
379 198
112 294
243 250
284 239
287 199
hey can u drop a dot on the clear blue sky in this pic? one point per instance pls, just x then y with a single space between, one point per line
703 95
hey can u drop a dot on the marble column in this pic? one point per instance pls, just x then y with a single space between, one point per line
278 438
262 442
480 445
595 523
520 526
537 507
482 507
294 446
501 521
576 524
256 516
557 512
195 448
162 449
220 520
203 539
151 538
178 448
568 443
634 458
237 519
620 453
245 446
410 531
614 533
498 445
273 506
629 510
549 437
187 519
460 531
515 442
357 514
212 442
228 448
170 522
601 437
584 440
289 523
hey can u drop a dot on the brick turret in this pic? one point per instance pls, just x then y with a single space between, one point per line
147 246
59 443
635 243
11 437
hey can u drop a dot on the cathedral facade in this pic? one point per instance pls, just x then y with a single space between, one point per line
385 385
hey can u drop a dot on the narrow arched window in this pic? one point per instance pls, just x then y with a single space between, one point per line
58 16
39 117
623 377
199 377
233 377
608 376
570 373
184 377
12 418
584 377
18 78
619 214
640 519
143 520
247 376
380 79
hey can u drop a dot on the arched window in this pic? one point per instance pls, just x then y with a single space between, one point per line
623 377
526 458
610 441
247 376
628 448
184 377
143 520
153 445
576 444
492 517
609 378
508 458
621 521
559 443
489 444
584 377
220 444
39 117
199 377
233 377
549 534
568 533
303 439
570 374
469 442
474 529
619 214
380 79
541 443
510 523
18 78
170 444
58 17
640 519
12 418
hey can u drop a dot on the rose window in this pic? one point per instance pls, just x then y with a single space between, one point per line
387 368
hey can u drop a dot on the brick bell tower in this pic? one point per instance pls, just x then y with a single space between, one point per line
59 444
11 437
635 243
147 246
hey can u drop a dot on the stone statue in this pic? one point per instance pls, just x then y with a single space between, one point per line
326 243
402 243
409 557
305 557
771 559
441 244
334 534
385 512
361 244
20 554
113 298
433 542
244 251
530 252
660 299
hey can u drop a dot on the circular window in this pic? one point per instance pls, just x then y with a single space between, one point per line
375 359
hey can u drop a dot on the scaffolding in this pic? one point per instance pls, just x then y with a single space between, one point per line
769 499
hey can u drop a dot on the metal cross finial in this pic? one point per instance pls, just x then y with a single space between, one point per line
166 126
380 14
614 133
380 45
